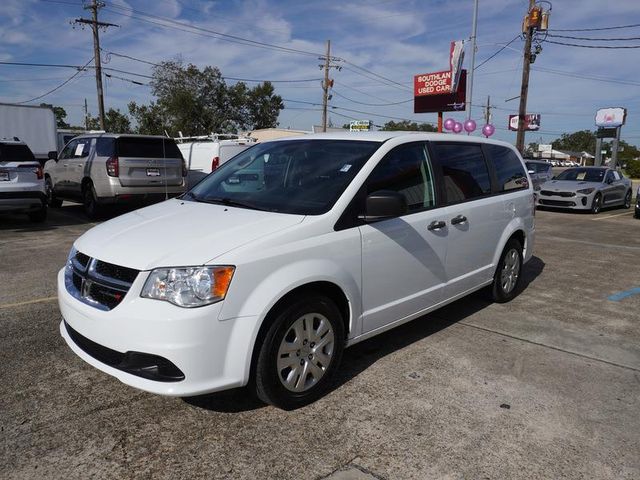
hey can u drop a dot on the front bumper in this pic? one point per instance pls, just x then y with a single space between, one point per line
149 344
578 202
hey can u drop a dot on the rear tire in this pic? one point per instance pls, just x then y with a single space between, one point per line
300 353
52 200
596 204
89 202
508 276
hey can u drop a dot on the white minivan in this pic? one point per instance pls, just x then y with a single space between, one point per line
293 250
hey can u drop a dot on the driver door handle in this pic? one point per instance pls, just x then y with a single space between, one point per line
458 219
436 225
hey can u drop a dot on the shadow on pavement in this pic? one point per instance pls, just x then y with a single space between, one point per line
362 355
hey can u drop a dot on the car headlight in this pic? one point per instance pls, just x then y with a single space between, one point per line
586 191
188 286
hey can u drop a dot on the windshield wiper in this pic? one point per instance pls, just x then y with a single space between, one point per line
228 202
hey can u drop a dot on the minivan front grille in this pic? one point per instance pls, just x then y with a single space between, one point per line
99 284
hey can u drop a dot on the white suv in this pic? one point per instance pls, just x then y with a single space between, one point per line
21 181
291 251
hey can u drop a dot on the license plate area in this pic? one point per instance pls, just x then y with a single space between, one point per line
4 176
153 172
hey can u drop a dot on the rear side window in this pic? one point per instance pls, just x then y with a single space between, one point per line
406 170
147 147
105 146
509 170
15 153
464 170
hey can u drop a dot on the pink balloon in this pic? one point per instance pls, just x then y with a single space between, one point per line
449 123
469 126
488 130
457 127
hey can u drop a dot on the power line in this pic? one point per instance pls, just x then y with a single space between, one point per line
138 15
373 75
59 86
372 104
619 39
500 50
593 29
593 46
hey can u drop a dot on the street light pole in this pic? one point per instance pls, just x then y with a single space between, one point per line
474 30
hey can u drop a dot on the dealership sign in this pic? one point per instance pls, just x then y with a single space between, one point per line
531 122
360 126
436 83
611 117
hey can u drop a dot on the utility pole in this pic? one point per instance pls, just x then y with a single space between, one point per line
474 30
325 86
536 20
524 88
95 25
487 111
86 115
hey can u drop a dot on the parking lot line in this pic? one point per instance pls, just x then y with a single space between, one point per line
558 349
611 216
594 244
28 302
621 295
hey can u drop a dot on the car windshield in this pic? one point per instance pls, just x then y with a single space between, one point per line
15 153
303 177
583 174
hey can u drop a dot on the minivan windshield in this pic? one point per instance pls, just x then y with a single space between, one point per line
583 175
303 177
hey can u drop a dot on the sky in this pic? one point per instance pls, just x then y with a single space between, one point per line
381 45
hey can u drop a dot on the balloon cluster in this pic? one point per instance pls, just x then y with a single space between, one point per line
468 126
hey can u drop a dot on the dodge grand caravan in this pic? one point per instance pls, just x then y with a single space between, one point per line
101 169
293 250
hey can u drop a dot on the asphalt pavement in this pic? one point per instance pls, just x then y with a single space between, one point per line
546 386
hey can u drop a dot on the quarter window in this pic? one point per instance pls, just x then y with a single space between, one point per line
406 170
509 170
464 170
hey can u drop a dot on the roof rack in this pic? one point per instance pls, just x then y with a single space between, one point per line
214 137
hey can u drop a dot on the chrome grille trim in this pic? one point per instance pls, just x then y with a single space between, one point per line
90 280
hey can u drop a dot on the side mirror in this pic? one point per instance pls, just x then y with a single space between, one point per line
53 155
384 204
609 180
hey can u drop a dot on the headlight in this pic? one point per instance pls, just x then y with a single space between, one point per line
586 191
188 286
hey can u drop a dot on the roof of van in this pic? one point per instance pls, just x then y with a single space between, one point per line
383 136
120 135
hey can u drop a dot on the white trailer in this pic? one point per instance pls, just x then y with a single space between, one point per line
36 126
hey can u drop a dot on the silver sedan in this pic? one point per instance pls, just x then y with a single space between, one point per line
586 188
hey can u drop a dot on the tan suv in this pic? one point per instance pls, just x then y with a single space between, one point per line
106 169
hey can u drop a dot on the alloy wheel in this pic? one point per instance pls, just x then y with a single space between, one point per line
510 271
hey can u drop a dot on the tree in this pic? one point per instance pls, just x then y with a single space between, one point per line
198 102
114 122
407 125
582 141
60 114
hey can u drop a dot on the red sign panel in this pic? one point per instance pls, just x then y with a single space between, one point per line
436 83
428 102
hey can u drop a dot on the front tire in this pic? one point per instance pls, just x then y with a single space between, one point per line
596 204
627 200
300 353
508 276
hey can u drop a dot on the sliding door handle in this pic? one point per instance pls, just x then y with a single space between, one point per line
459 219
436 225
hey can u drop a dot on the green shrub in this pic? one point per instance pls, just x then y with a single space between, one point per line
633 168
